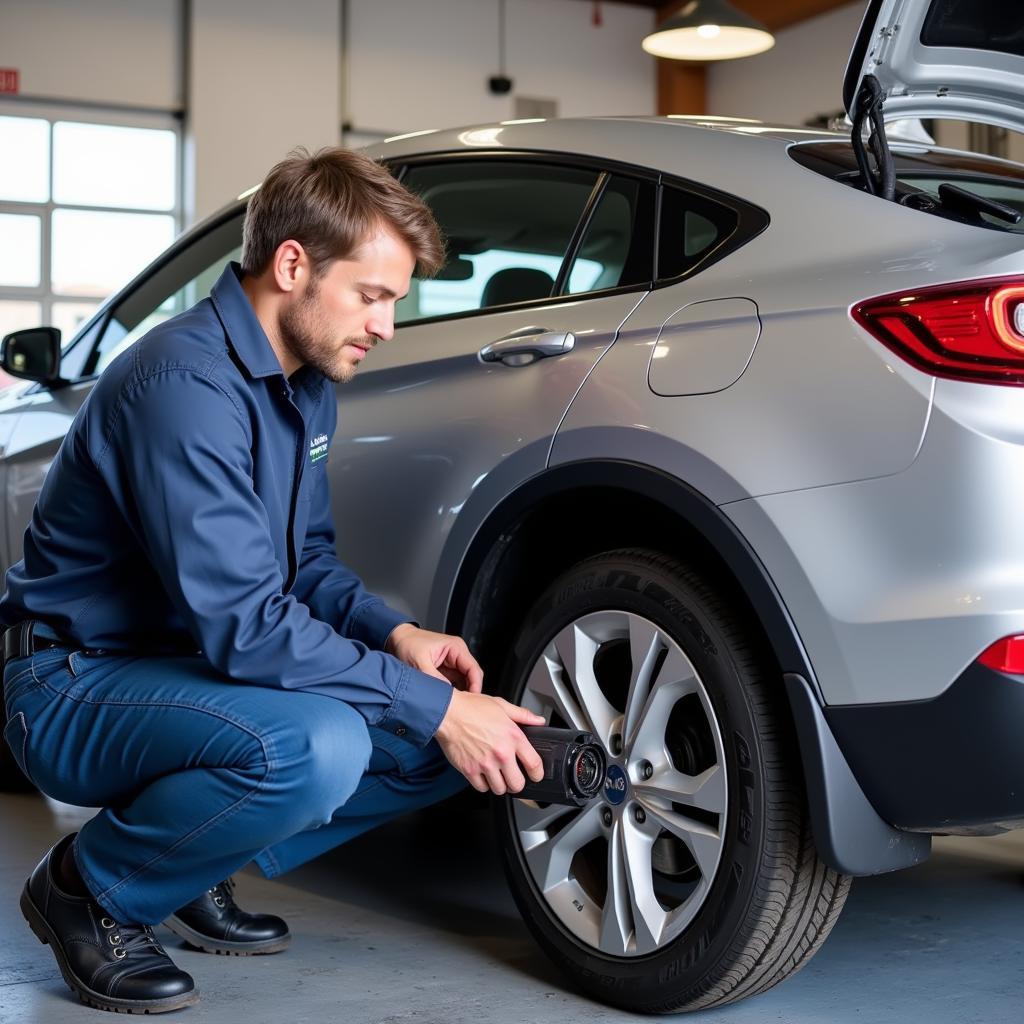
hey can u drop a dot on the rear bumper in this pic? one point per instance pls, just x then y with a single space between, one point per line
949 765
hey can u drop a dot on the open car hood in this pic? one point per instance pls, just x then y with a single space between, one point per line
959 59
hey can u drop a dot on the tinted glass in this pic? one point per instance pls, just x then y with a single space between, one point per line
181 283
690 228
618 246
977 24
508 226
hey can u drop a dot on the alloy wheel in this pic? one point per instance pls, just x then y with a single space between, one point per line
626 873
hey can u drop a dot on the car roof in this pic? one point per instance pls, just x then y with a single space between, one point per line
645 138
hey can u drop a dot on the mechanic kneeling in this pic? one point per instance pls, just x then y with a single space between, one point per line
183 647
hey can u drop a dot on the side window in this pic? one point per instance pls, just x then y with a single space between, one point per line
507 225
618 246
690 228
187 278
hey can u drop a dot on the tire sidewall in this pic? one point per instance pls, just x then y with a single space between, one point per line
690 962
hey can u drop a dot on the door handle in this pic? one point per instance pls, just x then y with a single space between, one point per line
527 345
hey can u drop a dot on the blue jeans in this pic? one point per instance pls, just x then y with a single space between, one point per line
197 775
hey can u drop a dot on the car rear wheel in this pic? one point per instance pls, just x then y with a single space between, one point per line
693 880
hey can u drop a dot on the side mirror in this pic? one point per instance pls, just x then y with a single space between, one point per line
32 354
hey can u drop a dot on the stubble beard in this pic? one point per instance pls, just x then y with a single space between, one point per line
307 334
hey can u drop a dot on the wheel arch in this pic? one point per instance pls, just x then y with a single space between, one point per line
576 509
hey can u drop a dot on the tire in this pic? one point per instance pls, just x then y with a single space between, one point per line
649 899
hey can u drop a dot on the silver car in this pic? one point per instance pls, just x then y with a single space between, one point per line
710 441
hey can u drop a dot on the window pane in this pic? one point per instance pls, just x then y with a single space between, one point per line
70 316
618 248
174 288
25 163
20 238
16 315
691 228
106 165
508 226
96 253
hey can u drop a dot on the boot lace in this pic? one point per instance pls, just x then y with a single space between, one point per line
222 893
126 939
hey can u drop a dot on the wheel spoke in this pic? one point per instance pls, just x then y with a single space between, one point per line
645 647
576 650
676 679
648 915
550 859
617 915
703 841
547 684
531 817
705 791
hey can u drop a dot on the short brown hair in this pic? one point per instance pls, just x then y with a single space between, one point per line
330 203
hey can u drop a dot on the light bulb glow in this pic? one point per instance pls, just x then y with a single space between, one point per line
725 42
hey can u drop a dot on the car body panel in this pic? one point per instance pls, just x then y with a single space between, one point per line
795 418
426 424
704 347
34 425
897 585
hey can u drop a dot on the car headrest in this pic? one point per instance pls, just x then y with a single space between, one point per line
517 284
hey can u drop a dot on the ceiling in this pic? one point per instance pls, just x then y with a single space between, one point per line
773 14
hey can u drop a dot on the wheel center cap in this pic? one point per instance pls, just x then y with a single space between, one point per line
615 785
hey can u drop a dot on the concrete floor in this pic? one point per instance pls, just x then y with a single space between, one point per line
414 923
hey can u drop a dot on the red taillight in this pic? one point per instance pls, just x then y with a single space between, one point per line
1006 655
972 331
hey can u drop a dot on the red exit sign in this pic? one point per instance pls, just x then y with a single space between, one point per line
8 80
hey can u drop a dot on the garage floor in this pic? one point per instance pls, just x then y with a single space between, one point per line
413 923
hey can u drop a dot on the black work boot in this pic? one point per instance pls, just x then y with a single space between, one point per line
214 923
110 964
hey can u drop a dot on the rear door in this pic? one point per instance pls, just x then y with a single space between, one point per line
546 260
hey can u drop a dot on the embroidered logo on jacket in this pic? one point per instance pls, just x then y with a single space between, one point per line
318 448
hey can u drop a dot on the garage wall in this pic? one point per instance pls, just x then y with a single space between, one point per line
802 75
263 77
426 65
102 51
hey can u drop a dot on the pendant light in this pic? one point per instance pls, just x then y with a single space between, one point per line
708 30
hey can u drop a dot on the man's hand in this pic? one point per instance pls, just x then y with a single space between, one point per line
437 654
480 736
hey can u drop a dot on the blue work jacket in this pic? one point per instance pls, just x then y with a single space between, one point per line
188 509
